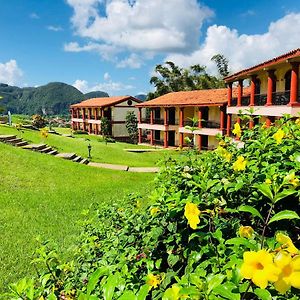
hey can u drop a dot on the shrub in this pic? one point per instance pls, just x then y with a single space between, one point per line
132 126
38 121
219 225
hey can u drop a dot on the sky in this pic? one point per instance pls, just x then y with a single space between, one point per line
114 45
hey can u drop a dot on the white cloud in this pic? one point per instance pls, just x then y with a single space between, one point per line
34 16
106 51
156 26
10 73
133 61
244 50
109 86
54 28
106 76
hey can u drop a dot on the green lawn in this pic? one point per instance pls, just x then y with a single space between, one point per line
111 153
41 195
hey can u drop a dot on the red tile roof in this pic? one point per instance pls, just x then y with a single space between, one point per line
105 101
279 59
212 97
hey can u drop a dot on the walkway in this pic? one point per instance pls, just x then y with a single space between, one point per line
43 148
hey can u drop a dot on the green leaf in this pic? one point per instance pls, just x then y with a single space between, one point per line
143 292
109 287
214 281
253 211
240 241
284 215
226 292
128 295
284 194
263 294
172 260
265 190
93 280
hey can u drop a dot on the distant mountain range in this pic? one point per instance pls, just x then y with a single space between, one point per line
53 98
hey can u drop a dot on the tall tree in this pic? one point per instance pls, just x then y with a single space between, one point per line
172 78
222 64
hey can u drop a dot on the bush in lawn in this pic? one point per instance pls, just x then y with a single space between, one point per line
219 225
132 126
38 121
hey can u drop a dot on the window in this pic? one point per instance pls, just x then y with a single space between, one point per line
129 102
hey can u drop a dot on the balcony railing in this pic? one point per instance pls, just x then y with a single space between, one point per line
190 123
158 121
145 120
234 102
260 99
210 124
281 98
245 100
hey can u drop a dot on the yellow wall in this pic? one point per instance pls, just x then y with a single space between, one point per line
214 114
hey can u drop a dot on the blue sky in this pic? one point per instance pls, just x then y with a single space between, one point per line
71 40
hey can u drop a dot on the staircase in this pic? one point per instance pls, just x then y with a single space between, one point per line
42 148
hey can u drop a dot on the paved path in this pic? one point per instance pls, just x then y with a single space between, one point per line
124 168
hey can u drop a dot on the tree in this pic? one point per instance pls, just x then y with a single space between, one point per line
38 121
132 126
105 128
171 78
222 64
2 109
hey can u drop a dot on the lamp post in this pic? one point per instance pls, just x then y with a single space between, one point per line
89 151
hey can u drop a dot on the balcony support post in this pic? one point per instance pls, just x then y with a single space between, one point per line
199 142
222 117
151 116
181 124
166 121
252 92
268 121
140 115
294 84
271 82
229 93
240 93
83 119
200 117
228 125
140 135
166 133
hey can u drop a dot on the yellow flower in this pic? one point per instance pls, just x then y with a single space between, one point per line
138 204
237 130
44 133
224 153
268 181
154 211
259 267
290 272
246 231
153 280
192 213
292 179
222 143
298 121
286 243
240 164
278 136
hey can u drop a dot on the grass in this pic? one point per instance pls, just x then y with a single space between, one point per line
111 153
41 195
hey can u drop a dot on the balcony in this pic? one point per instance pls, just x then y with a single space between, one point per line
281 98
158 121
234 102
246 100
260 99
145 120
210 124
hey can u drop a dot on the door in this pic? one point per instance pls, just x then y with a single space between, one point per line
204 141
172 113
172 138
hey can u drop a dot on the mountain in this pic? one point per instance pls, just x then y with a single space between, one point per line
141 97
96 94
53 98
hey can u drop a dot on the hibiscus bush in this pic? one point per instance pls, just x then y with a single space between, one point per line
222 224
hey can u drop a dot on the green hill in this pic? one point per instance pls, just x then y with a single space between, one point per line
53 98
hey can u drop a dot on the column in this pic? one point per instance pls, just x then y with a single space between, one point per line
268 121
89 118
152 122
83 120
222 118
166 121
229 124
181 124
240 93
294 84
252 91
270 87
140 115
229 93
166 133
200 126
